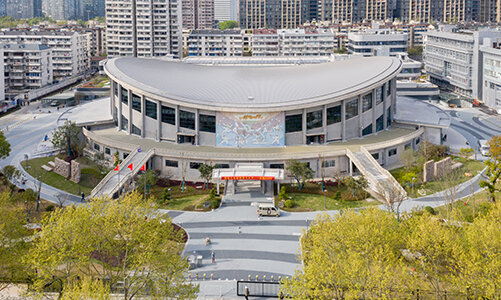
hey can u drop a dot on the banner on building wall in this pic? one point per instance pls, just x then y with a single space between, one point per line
243 130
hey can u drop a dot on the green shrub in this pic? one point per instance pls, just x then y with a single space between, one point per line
214 203
430 210
337 195
50 208
289 203
282 195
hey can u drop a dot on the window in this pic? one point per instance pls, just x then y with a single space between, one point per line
329 163
392 152
222 166
366 102
97 147
151 109
186 119
380 123
333 115
195 165
293 123
207 123
107 151
115 88
168 115
135 130
407 146
276 166
379 95
351 109
418 140
125 96
367 130
375 155
171 163
124 124
388 120
314 119
136 102
125 155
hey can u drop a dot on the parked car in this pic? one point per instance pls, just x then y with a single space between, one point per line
268 209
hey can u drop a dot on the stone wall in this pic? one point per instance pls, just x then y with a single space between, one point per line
75 171
429 171
62 167
442 167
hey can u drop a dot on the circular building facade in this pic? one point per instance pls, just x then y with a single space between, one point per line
249 107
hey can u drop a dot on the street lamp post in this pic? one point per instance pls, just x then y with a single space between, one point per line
325 199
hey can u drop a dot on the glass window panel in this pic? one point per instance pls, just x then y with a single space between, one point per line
168 115
367 130
333 115
151 109
366 102
314 119
351 109
125 96
207 123
186 119
294 123
379 95
379 123
171 163
136 102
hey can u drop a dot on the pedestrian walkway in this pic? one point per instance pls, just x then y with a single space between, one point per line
381 183
115 180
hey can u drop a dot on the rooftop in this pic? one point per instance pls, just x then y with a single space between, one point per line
246 88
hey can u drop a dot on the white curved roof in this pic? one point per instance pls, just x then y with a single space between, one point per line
232 87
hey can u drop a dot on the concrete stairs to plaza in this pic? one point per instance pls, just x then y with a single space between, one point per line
115 180
382 185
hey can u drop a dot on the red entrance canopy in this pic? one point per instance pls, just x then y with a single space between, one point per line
247 177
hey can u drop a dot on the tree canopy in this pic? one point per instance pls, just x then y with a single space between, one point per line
4 146
228 25
300 171
126 243
493 167
67 138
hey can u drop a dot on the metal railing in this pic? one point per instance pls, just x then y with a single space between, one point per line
258 289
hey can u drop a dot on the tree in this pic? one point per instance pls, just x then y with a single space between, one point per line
409 158
465 153
148 178
4 146
12 244
206 173
11 173
126 242
228 25
415 51
67 138
86 288
342 50
391 196
354 256
493 165
300 171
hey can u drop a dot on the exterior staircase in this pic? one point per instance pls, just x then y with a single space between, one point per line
114 180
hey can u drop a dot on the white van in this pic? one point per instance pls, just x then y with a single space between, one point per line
483 147
268 209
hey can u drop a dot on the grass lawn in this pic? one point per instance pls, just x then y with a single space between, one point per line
192 199
472 167
90 176
315 202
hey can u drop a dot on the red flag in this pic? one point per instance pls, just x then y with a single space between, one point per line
116 168
130 167
143 168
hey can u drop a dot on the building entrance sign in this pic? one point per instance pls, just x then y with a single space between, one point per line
247 177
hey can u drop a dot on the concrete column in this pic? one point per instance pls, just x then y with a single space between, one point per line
197 126
112 97
143 116
304 127
159 120
385 107
343 120
129 104
324 122
177 126
350 166
119 102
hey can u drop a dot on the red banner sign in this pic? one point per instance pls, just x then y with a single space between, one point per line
247 177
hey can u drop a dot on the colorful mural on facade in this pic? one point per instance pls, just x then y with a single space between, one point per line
243 130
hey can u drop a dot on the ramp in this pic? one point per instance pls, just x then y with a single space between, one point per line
114 180
381 183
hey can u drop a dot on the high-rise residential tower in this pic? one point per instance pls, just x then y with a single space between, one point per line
198 14
19 9
226 10
61 9
255 14
143 28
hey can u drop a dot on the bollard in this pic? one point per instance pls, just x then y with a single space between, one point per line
257 277
279 278
249 277
271 279
264 277
196 276
211 276
204 276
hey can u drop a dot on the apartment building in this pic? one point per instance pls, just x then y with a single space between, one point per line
62 9
2 73
265 42
144 28
20 9
453 59
198 14
275 14
27 67
491 73
371 40
225 10
70 55
215 43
